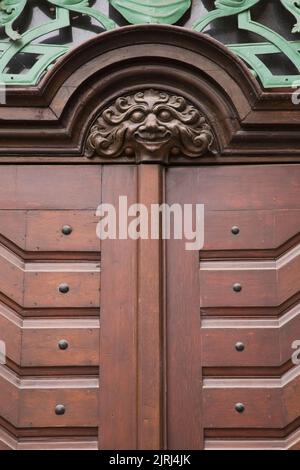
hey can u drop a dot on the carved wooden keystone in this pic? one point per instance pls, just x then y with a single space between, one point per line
149 126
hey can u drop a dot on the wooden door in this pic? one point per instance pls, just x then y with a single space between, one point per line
57 280
233 311
49 306
194 348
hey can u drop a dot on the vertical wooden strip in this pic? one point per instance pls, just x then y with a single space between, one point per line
149 319
184 373
118 330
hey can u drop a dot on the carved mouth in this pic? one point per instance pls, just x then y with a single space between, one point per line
152 138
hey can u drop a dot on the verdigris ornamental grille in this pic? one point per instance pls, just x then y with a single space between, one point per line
265 34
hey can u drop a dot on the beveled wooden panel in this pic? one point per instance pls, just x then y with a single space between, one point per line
259 286
37 284
44 335
259 230
264 283
44 231
34 343
50 187
78 395
81 407
269 403
42 287
264 408
257 187
262 347
267 342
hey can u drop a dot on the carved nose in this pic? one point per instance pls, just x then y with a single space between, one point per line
151 122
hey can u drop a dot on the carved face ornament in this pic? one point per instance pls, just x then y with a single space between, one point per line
150 125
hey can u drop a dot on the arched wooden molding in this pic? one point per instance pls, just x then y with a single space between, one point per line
55 117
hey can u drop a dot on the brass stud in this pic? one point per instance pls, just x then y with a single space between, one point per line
63 344
237 287
64 288
67 230
60 410
240 407
235 230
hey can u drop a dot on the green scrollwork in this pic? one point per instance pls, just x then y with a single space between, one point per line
224 8
293 6
152 11
252 53
82 6
11 10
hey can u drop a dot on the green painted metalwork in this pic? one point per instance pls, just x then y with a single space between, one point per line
82 6
152 11
46 54
42 54
252 53
10 10
224 8
293 6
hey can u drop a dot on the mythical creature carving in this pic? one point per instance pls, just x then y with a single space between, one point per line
149 126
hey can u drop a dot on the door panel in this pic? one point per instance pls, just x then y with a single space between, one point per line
24 337
44 187
258 229
232 316
49 306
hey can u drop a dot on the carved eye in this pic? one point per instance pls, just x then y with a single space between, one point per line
164 115
137 116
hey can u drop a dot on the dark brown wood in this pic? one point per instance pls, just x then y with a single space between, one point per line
35 203
118 332
25 337
184 375
150 319
130 344
263 315
50 187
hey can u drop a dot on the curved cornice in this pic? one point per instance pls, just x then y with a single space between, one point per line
55 117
